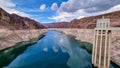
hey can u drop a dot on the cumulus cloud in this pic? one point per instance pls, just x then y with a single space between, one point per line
6 3
63 16
43 7
115 8
83 8
88 5
9 6
54 6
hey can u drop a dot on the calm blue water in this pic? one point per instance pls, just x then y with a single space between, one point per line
55 50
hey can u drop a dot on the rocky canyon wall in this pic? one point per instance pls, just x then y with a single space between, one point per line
9 38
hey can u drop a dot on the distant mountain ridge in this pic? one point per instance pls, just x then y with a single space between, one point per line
89 22
13 21
57 25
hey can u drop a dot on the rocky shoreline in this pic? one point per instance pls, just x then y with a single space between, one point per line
8 38
7 55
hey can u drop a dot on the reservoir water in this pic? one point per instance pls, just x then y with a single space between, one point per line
55 50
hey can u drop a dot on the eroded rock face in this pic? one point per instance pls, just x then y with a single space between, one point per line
115 47
89 22
15 22
9 38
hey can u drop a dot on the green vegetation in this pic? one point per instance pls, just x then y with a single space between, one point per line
9 54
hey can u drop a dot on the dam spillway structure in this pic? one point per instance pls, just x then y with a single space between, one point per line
101 44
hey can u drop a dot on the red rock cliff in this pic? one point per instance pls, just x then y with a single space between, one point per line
89 22
13 21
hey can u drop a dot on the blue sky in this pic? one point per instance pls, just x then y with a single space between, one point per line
32 7
47 11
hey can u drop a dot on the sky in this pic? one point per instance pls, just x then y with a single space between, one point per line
50 11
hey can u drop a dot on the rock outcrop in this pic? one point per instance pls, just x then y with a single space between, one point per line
90 22
15 22
9 38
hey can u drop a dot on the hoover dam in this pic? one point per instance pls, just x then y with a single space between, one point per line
9 38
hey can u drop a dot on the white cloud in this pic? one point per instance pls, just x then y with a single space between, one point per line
115 8
73 5
63 16
9 6
54 6
88 5
6 4
74 9
42 7
66 16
